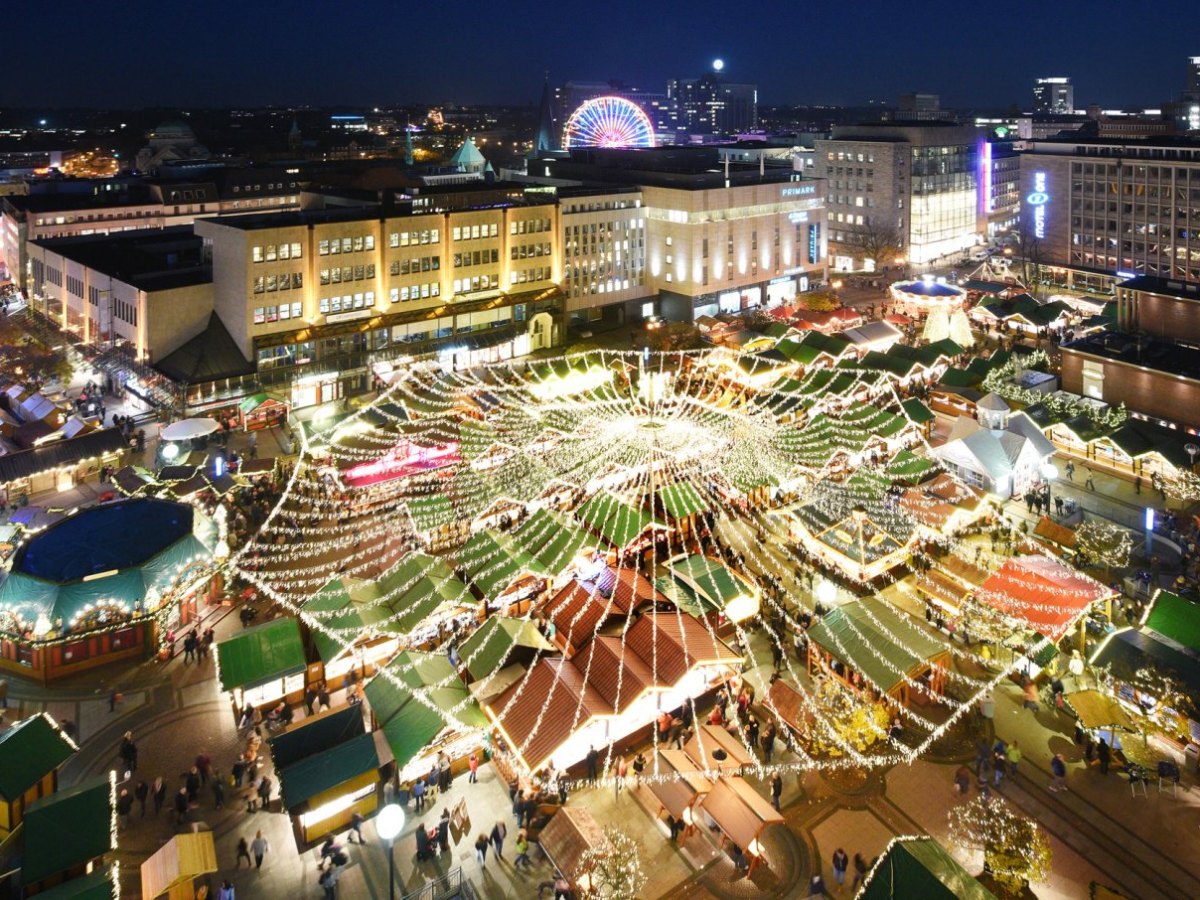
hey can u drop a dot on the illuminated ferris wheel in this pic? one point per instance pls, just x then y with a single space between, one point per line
608 122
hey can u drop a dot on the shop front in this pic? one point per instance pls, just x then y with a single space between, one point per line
262 665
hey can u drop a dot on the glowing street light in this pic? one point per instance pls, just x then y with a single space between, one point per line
388 825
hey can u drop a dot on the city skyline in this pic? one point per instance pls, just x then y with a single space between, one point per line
102 61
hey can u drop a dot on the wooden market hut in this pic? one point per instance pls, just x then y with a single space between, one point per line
712 748
920 867
68 834
626 528
175 866
569 834
707 588
679 787
261 665
1044 594
498 652
682 504
870 640
31 753
742 814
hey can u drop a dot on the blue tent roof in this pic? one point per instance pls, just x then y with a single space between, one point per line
930 289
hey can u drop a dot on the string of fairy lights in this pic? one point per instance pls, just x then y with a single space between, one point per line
435 483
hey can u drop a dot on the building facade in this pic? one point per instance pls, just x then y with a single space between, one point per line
1053 95
919 182
1101 210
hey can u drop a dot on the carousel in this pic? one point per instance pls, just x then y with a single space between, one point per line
920 297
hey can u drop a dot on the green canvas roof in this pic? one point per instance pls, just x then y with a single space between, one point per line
682 500
492 562
67 829
430 511
614 520
1173 618
260 654
920 867
29 751
410 731
337 609
946 347
909 468
551 539
248 404
316 734
430 673
917 411
316 774
99 885
953 377
849 633
487 650
709 581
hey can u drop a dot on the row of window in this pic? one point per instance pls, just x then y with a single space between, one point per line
476 283
525 251
475 232
841 156
272 252
126 312
347 273
264 314
415 292
285 282
75 286
529 226
414 238
537 273
346 245
363 300
416 264
476 258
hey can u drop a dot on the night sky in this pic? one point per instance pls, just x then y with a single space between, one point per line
219 53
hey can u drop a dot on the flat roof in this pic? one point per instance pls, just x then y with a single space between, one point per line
1174 359
152 259
1188 290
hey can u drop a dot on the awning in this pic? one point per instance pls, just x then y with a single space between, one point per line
102 884
176 863
569 834
1097 710
321 772
261 654
68 828
740 811
189 429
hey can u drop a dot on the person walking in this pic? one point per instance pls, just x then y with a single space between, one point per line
593 758
776 790
181 806
639 766
225 891
192 783
1104 754
264 792
260 848
1058 769
481 849
218 789
982 753
620 768
1014 757
328 882
840 863
962 778
1030 696
124 807
419 793
499 833
860 872
243 852
142 792
522 850
160 794
424 851
999 762
443 831
356 824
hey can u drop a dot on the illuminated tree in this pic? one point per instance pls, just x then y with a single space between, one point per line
852 720
1015 850
876 241
960 330
613 870
1103 544
937 326
820 301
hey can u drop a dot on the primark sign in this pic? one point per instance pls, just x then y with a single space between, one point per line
1036 200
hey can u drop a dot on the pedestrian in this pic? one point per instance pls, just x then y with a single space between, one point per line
1058 769
181 806
443 832
124 807
481 848
129 752
499 833
419 793
982 753
264 792
816 887
114 697
999 762
225 891
840 863
356 824
243 852
962 778
423 848
1137 484
593 758
189 647
776 790
259 847
203 766
1091 485
160 794
142 792
1014 757
522 850
639 766
328 881
1031 696
1103 752
768 742
473 765
192 783
620 768
860 871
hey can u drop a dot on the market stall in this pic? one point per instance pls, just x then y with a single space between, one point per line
262 410
175 866
678 787
261 665
69 833
920 867
742 814
31 753
500 642
713 749
570 833
707 588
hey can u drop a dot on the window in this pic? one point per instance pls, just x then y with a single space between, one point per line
296 250
256 253
285 251
271 253
259 284
369 242
272 283
347 243
297 280
358 243
272 313
323 248
260 314
394 239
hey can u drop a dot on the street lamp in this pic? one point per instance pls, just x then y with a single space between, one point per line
1049 473
388 825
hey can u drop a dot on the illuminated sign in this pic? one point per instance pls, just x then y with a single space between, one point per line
798 217
814 243
798 190
1038 198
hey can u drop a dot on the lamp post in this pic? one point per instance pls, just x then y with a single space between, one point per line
1049 473
388 825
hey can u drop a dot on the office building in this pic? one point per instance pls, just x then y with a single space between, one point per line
1098 211
918 182
918 107
999 189
711 105
1053 95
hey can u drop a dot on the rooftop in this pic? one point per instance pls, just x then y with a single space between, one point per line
1188 290
152 260
1175 359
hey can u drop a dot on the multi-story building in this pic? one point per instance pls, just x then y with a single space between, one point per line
313 298
715 237
144 292
999 189
106 205
918 183
603 253
1096 211
1053 95
711 105
917 107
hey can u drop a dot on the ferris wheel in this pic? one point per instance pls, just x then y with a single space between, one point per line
608 122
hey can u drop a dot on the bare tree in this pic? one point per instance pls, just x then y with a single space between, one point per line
1029 254
877 241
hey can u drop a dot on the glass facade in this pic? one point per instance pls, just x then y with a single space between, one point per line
944 201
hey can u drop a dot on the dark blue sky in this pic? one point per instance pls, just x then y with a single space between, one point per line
216 52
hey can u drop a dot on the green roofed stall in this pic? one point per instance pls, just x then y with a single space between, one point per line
102 884
264 653
68 829
494 564
430 512
552 539
1176 619
681 500
320 773
920 867
29 751
615 520
490 647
